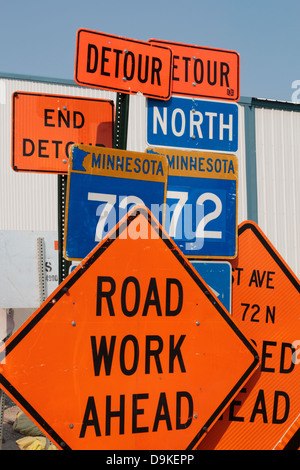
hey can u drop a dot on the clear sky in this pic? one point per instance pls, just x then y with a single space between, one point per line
38 37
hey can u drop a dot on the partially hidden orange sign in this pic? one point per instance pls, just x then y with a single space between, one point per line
204 72
132 351
266 307
44 127
122 64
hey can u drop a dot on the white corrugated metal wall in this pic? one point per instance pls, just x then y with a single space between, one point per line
278 175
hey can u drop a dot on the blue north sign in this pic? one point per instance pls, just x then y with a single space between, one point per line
192 124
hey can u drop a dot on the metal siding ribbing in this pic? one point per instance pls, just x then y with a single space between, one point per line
29 200
278 173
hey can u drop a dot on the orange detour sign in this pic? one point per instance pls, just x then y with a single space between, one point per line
123 65
44 127
265 306
204 72
132 350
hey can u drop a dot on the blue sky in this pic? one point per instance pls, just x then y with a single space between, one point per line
37 37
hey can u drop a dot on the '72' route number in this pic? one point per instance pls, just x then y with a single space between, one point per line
106 211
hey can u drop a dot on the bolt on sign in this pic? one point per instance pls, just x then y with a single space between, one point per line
45 126
123 65
204 72
142 357
103 184
201 210
266 305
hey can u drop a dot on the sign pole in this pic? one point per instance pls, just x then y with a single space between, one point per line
63 264
121 121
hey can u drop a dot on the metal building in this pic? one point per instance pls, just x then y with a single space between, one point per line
268 189
272 151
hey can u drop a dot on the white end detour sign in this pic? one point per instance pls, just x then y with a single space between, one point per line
192 124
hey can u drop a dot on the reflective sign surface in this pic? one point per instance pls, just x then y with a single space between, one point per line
44 127
127 352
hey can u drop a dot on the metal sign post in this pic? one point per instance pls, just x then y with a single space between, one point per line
121 121
63 264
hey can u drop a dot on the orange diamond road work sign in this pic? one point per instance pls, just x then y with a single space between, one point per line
44 127
123 65
204 72
266 307
132 350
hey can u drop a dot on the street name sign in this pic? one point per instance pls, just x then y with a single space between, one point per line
131 351
266 306
45 126
201 210
192 124
122 64
204 72
218 276
103 184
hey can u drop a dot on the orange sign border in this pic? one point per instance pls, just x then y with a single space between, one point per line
111 87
